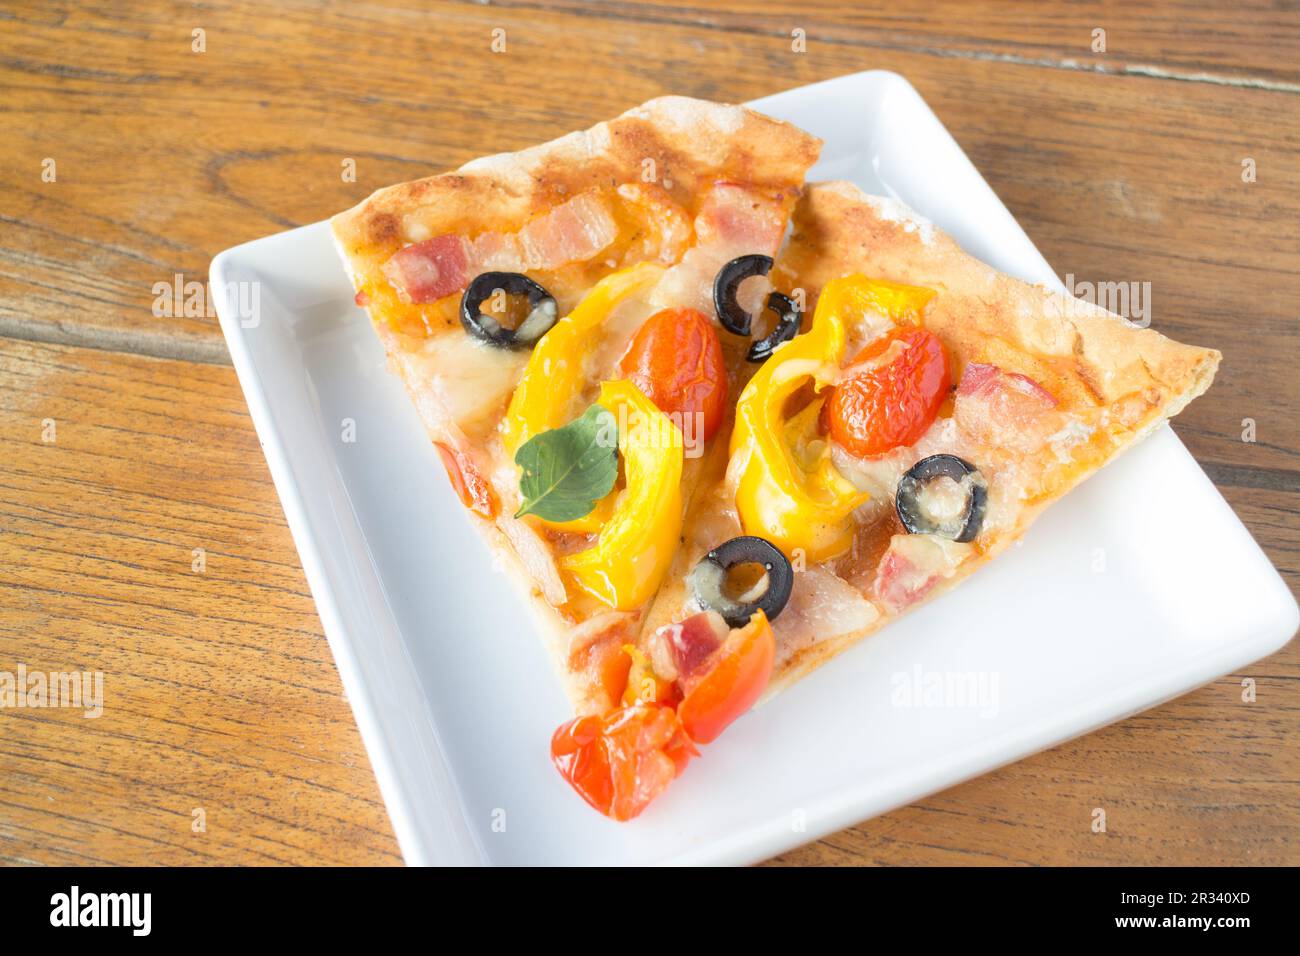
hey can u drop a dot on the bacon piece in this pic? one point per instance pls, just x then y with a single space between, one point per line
740 219
468 482
571 232
427 271
912 566
733 221
596 651
610 626
900 583
1005 409
678 650
495 252
986 380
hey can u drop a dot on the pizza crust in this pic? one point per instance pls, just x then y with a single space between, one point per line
682 144
839 230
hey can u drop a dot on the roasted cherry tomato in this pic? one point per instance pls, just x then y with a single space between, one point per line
471 487
610 664
620 762
892 400
729 681
676 359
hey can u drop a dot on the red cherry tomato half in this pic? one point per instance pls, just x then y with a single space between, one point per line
893 400
620 762
675 358
730 683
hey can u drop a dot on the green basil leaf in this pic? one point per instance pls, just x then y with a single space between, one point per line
566 470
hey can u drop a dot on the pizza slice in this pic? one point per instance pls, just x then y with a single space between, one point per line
926 414
551 313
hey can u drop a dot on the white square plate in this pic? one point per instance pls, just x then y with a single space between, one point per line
1140 586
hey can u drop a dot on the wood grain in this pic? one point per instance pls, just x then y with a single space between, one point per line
1083 160
1206 41
221 692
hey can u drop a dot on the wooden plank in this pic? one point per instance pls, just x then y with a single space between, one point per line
1256 42
1116 178
1207 780
219 691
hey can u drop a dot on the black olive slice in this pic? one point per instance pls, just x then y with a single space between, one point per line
542 313
730 314
910 498
709 578
787 327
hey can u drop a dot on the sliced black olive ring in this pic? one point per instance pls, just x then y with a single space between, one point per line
542 310
727 283
709 579
911 493
787 327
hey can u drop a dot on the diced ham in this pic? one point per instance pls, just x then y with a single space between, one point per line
913 565
571 232
427 271
733 221
678 650
1005 409
739 219
899 583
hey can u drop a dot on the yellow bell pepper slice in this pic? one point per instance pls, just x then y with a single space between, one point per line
789 490
636 545
904 304
552 384
803 507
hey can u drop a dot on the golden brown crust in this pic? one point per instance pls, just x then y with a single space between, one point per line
684 144
1089 354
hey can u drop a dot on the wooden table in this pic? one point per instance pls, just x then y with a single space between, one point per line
220 693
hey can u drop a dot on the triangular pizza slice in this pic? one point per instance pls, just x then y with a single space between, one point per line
552 315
